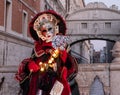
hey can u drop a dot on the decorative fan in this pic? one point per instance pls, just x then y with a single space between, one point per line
60 41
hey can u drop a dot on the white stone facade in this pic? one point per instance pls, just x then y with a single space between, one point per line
11 54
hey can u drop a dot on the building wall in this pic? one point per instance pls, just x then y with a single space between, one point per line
76 5
55 5
2 13
15 41
109 53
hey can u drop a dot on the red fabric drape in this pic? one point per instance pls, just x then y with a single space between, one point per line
66 90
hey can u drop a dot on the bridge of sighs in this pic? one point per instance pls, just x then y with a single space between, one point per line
97 21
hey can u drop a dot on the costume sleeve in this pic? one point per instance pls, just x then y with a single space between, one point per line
66 90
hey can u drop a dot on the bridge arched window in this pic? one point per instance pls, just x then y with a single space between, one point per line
97 87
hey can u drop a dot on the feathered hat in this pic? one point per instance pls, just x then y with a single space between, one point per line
61 24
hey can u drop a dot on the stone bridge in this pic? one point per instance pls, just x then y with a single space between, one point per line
95 21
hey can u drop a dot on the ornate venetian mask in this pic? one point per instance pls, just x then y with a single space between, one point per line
46 27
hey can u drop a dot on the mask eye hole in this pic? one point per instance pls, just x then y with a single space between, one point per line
49 29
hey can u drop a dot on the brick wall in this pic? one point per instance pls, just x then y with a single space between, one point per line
29 6
17 16
2 12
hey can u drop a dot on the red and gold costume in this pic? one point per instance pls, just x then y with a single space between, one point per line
50 61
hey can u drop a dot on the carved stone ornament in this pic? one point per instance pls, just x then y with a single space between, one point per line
116 52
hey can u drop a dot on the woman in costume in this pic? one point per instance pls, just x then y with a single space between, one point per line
50 67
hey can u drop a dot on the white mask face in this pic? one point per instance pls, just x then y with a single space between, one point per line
46 32
45 25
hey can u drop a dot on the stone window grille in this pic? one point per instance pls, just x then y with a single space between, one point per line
84 25
107 24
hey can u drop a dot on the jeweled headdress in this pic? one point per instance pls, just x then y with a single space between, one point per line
36 26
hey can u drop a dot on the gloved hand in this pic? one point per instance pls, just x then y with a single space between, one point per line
33 67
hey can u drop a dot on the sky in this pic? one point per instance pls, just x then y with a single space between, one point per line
107 2
98 44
